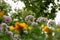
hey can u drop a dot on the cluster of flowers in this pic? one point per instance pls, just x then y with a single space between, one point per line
4 25
25 27
4 20
20 27
47 25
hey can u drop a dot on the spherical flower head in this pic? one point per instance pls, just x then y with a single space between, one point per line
42 19
3 27
7 19
29 18
9 33
51 23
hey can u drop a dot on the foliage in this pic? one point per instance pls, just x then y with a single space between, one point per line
40 7
6 7
26 24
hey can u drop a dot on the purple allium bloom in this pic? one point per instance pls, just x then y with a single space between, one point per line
9 33
4 26
51 23
29 18
7 19
42 19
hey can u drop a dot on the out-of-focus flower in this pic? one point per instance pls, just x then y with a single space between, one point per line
51 23
19 27
29 18
24 25
46 29
7 19
11 28
9 33
42 19
3 27
2 13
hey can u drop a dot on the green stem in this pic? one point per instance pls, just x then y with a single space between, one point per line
50 37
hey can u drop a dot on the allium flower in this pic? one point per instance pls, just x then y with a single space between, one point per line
4 27
7 19
29 18
51 23
9 33
42 19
